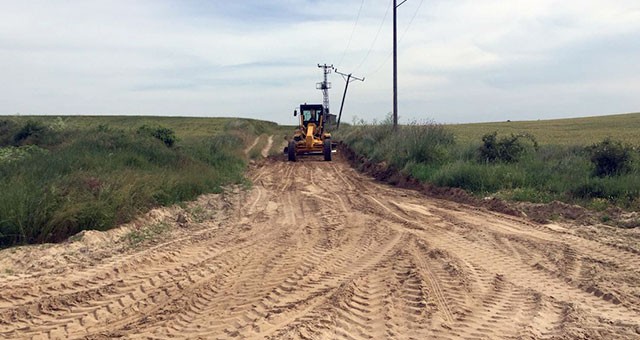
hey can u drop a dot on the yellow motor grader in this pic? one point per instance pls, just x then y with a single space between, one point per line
311 136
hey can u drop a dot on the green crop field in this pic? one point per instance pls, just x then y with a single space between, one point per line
572 131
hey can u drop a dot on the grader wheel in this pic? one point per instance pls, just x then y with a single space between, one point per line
291 151
326 149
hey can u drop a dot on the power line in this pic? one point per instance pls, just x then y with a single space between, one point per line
352 31
412 18
386 60
376 37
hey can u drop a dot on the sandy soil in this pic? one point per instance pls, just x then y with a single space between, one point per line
265 151
316 250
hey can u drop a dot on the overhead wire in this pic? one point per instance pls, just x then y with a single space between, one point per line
386 13
386 60
351 36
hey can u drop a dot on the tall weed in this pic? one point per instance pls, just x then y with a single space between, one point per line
99 177
513 167
411 144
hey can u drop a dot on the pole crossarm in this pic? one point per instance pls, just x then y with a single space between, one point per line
348 79
351 76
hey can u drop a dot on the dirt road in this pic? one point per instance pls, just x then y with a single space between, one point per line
315 250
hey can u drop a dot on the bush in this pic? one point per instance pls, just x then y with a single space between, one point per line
17 132
31 129
166 135
507 149
610 157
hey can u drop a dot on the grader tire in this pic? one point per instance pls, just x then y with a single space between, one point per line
291 151
326 149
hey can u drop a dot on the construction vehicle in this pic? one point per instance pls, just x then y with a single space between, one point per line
311 136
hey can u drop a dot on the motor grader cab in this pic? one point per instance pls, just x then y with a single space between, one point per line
310 137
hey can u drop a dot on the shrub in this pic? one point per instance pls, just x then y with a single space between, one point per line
610 157
166 135
31 129
506 149
31 132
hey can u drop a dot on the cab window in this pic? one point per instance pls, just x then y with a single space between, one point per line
309 115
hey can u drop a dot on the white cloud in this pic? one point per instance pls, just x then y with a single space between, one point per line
459 61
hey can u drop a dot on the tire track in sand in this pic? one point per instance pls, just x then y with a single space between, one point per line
315 250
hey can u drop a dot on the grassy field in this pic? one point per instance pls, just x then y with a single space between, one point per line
573 131
569 160
61 175
186 128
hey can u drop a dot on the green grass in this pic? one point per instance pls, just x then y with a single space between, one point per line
59 176
186 128
136 237
556 167
256 151
572 131
415 143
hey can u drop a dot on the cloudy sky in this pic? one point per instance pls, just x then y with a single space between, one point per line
459 61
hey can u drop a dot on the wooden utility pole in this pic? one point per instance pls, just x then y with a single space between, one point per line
395 64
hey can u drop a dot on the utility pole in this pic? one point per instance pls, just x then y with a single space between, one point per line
325 86
349 78
395 64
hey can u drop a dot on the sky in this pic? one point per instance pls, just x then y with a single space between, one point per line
458 61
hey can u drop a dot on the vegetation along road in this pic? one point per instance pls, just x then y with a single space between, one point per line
315 250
